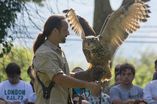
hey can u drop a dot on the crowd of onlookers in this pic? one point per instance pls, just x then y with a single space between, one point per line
123 91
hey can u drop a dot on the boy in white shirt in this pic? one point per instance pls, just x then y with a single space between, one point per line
14 90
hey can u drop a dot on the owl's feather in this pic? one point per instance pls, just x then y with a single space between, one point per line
99 48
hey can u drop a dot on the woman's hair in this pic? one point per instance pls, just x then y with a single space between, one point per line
54 21
12 68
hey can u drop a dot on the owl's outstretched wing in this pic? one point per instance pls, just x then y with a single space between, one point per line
120 23
79 24
81 27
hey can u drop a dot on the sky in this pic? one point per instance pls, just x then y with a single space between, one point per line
132 47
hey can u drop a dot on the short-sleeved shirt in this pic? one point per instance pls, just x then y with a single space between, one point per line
49 60
150 92
118 92
21 92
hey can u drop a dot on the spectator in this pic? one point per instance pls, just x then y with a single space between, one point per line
155 73
126 92
117 74
14 90
78 93
86 96
30 73
117 69
51 66
150 92
101 99
116 78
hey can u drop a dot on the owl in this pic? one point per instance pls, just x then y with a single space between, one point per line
99 49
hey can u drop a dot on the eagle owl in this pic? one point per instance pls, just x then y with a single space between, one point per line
99 48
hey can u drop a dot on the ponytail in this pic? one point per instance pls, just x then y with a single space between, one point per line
53 21
39 41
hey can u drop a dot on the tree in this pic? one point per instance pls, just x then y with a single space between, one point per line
9 10
102 10
19 55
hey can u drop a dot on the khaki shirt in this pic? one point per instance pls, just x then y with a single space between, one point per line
48 61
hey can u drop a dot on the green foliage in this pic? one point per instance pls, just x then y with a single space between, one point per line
22 57
8 11
39 2
145 69
144 65
5 48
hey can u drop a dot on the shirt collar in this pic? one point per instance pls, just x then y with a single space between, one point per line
53 46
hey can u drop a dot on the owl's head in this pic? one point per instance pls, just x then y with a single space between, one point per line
91 42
